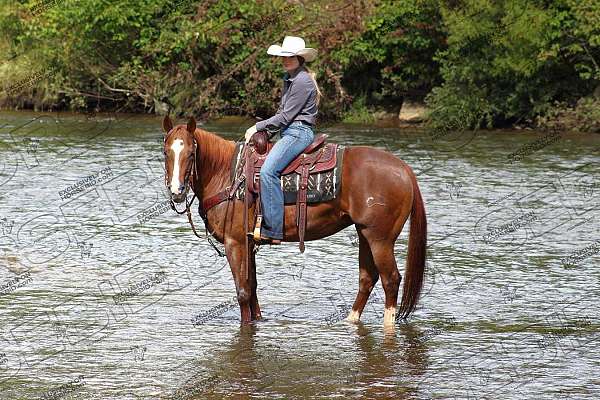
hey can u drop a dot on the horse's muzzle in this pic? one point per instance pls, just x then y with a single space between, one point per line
179 197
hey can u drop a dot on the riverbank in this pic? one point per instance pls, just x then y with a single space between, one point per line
476 65
584 116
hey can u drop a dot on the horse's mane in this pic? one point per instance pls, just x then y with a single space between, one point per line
215 151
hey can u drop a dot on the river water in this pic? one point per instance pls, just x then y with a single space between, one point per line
105 293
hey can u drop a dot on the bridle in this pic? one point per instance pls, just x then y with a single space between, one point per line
188 179
223 195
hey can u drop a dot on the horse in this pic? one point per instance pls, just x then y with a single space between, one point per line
378 193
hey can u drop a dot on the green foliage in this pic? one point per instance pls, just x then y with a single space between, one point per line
359 113
476 62
393 56
210 57
508 60
450 110
583 117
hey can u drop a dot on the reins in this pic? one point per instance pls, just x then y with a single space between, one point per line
189 177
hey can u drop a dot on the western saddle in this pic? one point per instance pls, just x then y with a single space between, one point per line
317 157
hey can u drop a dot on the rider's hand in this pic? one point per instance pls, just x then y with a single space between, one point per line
249 132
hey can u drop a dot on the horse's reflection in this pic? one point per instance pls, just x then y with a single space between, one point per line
389 366
370 366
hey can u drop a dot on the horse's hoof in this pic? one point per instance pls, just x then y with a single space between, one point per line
354 316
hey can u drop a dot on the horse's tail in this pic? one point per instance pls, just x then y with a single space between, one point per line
417 248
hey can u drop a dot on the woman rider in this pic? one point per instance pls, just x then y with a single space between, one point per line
295 118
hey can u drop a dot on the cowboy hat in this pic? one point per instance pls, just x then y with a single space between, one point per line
292 46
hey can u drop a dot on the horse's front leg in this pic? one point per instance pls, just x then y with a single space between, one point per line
237 260
254 307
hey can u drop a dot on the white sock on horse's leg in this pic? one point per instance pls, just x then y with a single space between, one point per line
389 316
354 316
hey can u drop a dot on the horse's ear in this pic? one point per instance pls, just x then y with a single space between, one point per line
191 126
167 124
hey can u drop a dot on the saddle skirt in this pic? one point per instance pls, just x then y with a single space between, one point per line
324 179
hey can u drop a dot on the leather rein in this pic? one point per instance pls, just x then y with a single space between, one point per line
207 203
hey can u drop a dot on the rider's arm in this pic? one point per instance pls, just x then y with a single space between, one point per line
300 91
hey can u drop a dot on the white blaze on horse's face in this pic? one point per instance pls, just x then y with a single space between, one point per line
176 147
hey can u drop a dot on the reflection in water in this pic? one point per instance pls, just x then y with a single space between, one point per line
368 365
389 365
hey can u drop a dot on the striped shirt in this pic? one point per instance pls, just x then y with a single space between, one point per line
298 101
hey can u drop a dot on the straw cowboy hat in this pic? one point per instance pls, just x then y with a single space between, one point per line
293 46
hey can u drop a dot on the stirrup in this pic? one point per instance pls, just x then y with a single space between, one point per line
256 234
263 239
258 238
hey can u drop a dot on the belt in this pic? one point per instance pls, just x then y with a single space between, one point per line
303 122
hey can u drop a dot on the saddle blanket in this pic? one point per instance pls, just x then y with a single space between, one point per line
322 186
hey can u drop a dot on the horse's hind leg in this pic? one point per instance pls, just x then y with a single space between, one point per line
381 242
368 277
385 260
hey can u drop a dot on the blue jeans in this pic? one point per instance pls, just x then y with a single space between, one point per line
293 141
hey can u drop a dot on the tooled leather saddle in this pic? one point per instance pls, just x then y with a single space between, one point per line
316 158
316 172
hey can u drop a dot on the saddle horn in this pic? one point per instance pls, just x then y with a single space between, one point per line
260 140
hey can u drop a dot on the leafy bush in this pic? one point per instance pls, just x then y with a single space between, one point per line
210 57
476 62
393 57
359 112
583 117
508 60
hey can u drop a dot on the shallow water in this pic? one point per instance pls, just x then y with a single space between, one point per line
509 307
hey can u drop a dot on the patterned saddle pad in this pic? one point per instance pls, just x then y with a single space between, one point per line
322 186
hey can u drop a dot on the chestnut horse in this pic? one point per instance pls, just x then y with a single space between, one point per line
378 193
